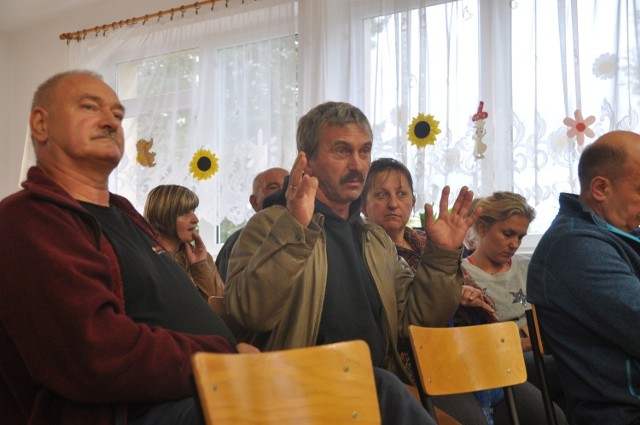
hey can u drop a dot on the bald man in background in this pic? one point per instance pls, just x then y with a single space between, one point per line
584 279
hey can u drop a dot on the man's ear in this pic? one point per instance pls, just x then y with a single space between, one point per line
38 122
254 202
600 188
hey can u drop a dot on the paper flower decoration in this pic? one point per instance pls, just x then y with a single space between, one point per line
579 127
423 130
480 114
478 122
204 164
605 66
145 157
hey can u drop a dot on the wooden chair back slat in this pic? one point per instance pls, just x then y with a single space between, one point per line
326 384
467 359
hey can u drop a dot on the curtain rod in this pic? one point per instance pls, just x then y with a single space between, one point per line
82 34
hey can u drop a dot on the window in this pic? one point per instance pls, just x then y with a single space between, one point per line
256 114
156 92
227 85
424 60
531 63
235 83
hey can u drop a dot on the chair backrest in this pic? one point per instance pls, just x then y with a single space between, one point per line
325 384
539 349
469 358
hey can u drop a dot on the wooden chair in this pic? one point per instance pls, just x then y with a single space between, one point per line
325 384
539 350
468 359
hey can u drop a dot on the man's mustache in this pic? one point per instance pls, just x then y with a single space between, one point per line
352 177
108 132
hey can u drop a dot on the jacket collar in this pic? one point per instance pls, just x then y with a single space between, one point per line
572 201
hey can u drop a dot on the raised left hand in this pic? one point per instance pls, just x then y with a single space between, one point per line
449 229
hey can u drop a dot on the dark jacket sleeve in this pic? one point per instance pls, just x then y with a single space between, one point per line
222 259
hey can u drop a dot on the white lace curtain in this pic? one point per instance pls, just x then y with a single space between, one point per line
217 87
234 81
532 63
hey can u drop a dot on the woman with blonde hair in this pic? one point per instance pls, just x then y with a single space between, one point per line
495 266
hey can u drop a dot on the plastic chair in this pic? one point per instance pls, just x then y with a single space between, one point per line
539 350
468 359
325 384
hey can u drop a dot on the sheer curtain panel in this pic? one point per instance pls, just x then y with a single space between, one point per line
215 94
551 77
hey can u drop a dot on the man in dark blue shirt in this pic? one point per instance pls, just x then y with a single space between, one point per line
584 278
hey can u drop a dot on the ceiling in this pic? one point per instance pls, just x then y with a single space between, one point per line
16 15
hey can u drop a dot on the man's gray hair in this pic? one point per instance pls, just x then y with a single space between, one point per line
327 114
42 95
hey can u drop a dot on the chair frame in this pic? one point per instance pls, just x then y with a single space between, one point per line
512 372
539 349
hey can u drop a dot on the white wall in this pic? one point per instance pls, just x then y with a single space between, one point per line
30 56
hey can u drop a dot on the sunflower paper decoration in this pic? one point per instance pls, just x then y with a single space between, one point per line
204 164
423 130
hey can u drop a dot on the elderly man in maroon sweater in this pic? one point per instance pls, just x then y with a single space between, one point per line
93 327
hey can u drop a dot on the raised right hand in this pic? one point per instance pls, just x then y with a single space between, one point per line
301 191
